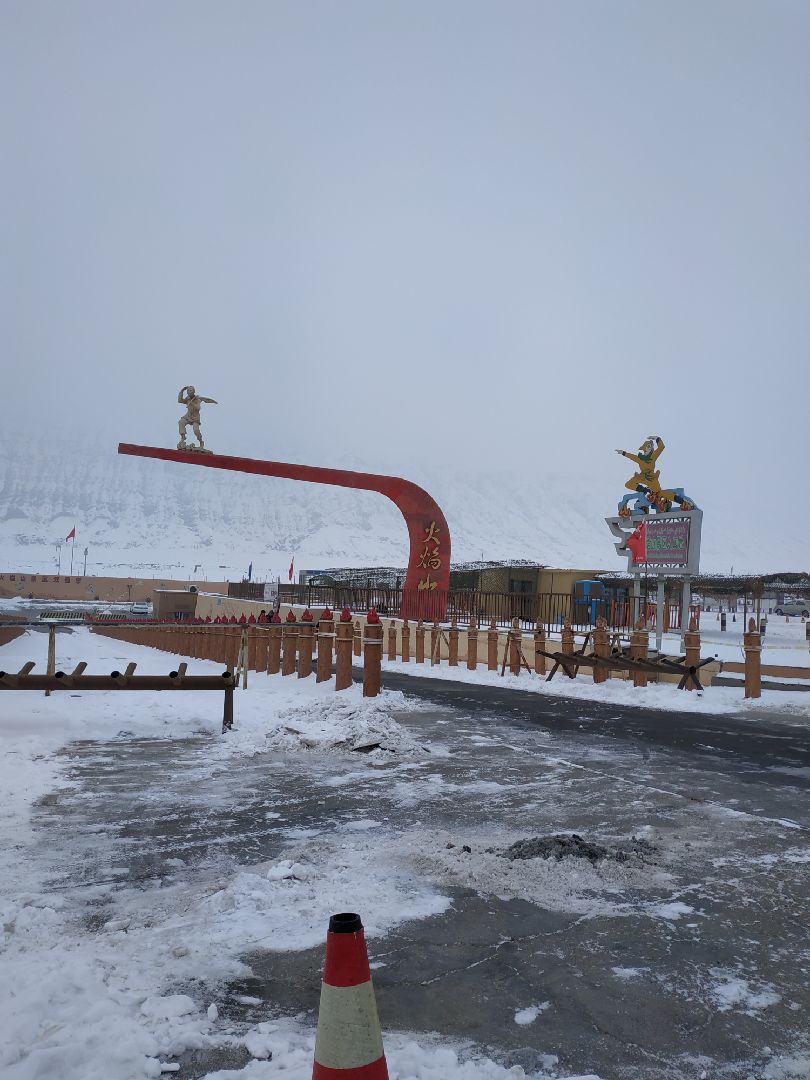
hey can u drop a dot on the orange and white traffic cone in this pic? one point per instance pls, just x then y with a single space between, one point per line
348 1045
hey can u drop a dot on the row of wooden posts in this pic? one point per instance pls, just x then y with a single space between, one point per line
299 645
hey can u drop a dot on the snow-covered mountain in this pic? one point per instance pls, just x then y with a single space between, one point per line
136 516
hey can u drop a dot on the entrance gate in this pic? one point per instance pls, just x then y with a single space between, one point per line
428 575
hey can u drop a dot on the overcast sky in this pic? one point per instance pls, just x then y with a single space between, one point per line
532 227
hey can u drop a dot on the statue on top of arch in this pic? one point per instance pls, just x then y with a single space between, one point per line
645 488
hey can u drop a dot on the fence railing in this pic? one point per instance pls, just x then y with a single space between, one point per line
549 609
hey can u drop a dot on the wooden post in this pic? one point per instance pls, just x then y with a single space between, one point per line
752 643
358 638
227 714
274 632
392 640
372 656
472 645
539 649
289 641
453 643
435 644
492 646
601 647
641 650
51 653
343 653
326 636
406 642
691 641
420 642
567 637
305 642
514 643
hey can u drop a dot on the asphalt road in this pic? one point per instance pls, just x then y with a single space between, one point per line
758 741
691 960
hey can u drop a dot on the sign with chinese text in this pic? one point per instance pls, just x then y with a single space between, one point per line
667 542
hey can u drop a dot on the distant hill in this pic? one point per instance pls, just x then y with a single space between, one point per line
137 517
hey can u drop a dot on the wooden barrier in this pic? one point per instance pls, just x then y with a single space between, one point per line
420 643
752 643
372 656
343 653
472 645
326 637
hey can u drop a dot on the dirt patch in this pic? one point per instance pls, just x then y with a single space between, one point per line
572 845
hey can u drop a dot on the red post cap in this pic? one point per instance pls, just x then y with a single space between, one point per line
373 617
291 615
252 620
326 614
275 617
345 615
243 620
307 616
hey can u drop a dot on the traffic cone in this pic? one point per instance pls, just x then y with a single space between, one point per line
348 1045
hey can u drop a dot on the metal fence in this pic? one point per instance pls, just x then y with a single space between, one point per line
549 609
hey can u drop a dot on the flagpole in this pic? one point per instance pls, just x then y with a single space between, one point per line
72 546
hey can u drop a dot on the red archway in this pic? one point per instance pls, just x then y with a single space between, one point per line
428 576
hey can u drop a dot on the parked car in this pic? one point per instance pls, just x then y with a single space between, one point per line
794 607
139 609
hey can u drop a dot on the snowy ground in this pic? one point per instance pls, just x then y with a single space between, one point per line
152 869
784 642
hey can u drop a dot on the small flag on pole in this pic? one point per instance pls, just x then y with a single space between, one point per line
290 572
71 535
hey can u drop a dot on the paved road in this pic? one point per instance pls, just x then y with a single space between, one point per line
691 957
759 741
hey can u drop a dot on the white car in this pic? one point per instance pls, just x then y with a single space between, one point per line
794 607
139 609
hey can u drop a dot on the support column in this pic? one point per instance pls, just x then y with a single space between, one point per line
659 614
406 642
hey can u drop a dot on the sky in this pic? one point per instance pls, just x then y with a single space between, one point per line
458 230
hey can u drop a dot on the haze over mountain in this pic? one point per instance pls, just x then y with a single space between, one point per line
139 517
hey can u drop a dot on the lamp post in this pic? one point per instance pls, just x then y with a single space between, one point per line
85 563
59 557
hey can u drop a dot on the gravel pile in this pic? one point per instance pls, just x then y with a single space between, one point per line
564 845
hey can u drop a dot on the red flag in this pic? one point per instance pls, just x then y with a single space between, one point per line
71 535
638 543
290 572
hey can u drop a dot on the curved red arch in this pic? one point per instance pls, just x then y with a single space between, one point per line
426 584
